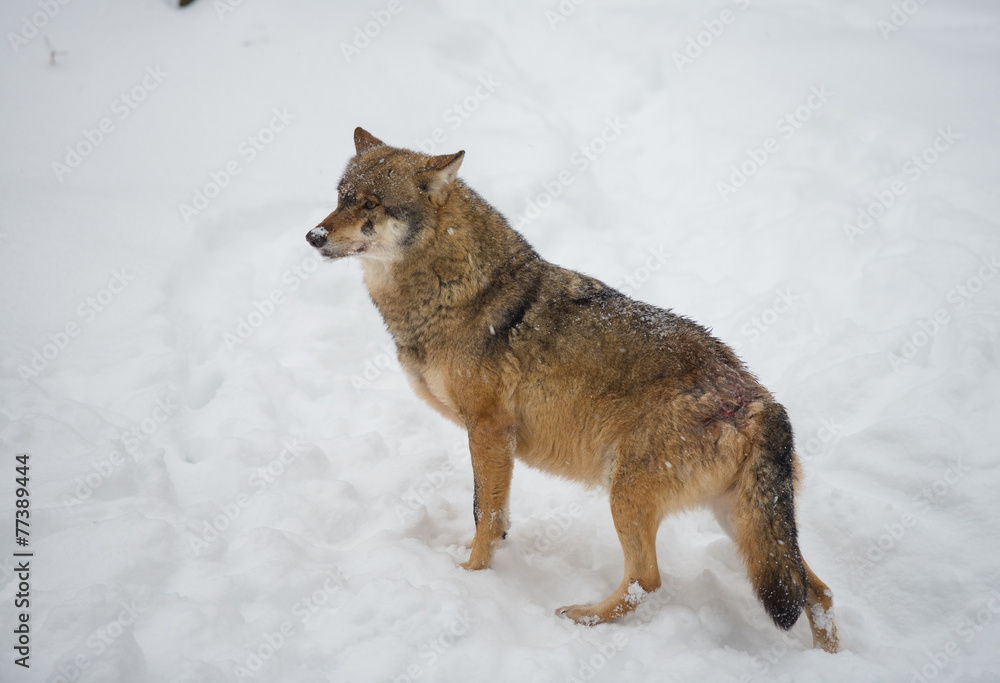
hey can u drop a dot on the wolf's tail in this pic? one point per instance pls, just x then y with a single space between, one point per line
763 518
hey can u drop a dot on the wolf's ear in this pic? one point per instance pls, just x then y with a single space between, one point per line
440 174
364 140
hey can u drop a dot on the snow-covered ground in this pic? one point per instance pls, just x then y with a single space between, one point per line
230 479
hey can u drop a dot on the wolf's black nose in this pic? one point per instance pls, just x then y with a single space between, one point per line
317 236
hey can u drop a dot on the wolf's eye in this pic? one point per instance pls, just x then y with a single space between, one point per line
370 204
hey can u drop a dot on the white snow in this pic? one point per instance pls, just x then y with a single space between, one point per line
230 477
822 618
635 594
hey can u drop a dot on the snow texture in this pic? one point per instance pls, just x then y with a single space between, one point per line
231 479
636 594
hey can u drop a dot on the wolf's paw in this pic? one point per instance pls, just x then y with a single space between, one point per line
581 614
473 566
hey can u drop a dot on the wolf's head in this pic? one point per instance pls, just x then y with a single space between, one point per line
387 200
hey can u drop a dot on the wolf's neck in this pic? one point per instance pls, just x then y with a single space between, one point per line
465 254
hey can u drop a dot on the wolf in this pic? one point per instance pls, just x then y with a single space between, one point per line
569 375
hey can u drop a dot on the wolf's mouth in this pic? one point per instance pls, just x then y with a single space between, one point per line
357 249
343 252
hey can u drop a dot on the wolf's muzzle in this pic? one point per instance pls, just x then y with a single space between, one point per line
317 236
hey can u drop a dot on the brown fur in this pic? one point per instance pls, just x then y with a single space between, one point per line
572 377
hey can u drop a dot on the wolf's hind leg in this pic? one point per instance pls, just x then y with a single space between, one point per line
636 520
819 609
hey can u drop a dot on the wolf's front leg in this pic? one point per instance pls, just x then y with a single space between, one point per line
491 444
